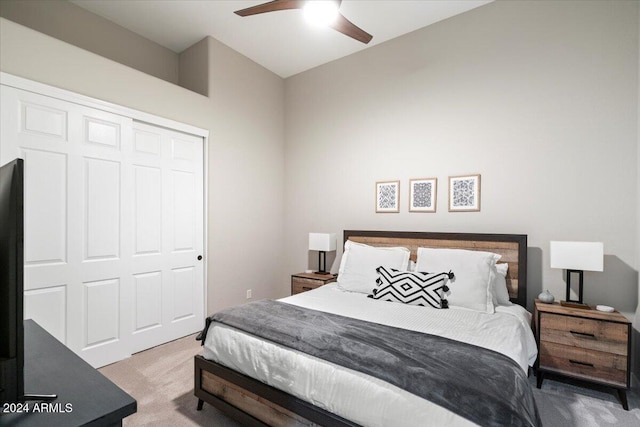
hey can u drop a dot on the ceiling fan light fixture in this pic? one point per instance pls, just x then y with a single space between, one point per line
321 12
326 12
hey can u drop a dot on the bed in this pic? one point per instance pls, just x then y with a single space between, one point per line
259 381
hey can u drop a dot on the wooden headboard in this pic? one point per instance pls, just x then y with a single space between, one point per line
512 247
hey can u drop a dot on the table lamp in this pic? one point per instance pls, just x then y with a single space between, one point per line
576 257
322 242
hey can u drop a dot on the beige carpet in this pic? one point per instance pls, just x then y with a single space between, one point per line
161 380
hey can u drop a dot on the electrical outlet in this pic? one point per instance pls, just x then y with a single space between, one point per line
248 293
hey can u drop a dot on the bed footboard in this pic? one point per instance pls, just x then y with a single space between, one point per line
254 403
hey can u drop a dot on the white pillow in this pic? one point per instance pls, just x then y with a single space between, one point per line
359 263
471 287
499 284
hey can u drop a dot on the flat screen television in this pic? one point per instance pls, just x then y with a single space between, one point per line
11 281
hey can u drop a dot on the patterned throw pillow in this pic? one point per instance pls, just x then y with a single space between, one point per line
425 289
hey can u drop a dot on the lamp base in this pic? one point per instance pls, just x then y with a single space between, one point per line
326 273
575 304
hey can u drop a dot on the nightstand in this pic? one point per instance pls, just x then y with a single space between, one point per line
587 344
303 282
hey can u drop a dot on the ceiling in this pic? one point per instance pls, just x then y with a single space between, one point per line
282 42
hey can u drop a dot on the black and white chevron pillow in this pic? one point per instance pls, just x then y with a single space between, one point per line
425 289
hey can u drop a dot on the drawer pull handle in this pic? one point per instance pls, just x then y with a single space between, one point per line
306 288
575 362
583 334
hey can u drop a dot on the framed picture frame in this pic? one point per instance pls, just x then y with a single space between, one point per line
423 193
388 197
464 193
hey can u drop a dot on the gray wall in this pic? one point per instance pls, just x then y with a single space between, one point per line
246 193
73 24
636 322
541 98
194 67
244 115
637 318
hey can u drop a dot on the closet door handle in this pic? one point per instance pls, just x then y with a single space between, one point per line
199 257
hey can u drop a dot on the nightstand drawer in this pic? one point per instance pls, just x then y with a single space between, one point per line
300 284
588 364
590 334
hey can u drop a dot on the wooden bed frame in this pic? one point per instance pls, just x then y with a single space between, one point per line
254 403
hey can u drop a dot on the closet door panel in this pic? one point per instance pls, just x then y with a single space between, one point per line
167 167
48 306
42 120
102 209
184 220
106 289
186 229
149 260
148 301
36 129
102 311
147 210
113 225
45 240
182 306
74 174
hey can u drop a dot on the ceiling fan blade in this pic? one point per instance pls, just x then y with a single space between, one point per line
348 28
271 6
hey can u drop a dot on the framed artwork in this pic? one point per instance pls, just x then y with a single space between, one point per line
422 194
464 193
388 196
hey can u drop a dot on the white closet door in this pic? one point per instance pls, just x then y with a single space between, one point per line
112 234
168 235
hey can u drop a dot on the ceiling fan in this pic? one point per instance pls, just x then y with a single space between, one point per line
339 23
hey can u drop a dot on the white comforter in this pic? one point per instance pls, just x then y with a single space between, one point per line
359 397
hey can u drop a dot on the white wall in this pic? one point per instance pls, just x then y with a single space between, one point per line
538 97
244 115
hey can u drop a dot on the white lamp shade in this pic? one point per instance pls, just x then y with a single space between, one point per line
322 242
587 256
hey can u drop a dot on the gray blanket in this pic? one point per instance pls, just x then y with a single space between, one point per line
480 385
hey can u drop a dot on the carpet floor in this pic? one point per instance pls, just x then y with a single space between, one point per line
161 380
